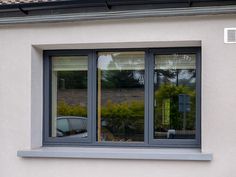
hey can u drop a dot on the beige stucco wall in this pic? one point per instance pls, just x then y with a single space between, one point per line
21 93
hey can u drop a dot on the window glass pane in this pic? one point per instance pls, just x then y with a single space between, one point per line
62 126
69 96
120 96
175 96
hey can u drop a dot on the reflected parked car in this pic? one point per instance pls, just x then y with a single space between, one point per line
72 126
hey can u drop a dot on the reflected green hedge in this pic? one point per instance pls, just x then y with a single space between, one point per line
118 116
124 116
123 110
170 91
121 116
64 109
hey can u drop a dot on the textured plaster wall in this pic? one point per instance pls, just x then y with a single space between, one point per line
21 93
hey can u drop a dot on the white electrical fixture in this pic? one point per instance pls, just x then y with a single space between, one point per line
230 35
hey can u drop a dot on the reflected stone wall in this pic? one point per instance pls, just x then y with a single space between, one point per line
71 96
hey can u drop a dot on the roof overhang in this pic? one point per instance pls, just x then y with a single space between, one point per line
77 10
113 3
119 15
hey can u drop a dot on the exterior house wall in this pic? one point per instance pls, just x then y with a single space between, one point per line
21 93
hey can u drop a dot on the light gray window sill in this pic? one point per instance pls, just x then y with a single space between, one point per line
116 153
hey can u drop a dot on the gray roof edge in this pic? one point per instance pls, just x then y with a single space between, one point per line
193 11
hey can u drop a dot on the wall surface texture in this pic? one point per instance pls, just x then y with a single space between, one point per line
21 93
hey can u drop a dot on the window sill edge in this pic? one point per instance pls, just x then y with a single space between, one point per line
117 153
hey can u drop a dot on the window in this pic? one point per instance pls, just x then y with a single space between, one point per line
135 97
120 96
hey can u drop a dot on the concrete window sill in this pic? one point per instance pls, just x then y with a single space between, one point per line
116 153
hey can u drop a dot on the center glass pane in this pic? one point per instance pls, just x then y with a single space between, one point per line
175 96
120 96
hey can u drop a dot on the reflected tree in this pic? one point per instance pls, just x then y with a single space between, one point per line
116 78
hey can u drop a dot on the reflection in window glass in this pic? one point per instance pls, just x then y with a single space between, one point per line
175 96
120 96
69 96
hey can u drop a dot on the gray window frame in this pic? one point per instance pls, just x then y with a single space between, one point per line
176 142
47 105
149 141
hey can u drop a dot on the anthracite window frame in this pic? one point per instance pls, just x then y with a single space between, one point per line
149 140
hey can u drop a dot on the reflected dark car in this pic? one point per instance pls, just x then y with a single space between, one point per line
72 126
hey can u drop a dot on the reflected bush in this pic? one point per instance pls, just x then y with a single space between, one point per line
124 117
65 109
127 118
122 114
170 91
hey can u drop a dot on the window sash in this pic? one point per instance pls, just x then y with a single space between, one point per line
149 141
176 142
48 69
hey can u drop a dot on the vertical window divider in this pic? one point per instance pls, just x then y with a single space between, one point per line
94 94
146 97
150 96
90 96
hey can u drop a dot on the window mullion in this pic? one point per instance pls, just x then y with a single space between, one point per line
93 93
146 98
150 95
90 97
